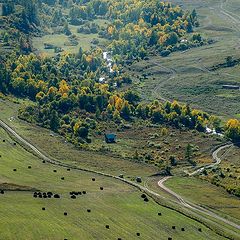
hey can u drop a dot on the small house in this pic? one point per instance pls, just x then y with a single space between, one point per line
110 138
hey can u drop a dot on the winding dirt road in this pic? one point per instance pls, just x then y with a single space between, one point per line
217 160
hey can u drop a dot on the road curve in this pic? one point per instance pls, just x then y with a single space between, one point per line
217 160
138 186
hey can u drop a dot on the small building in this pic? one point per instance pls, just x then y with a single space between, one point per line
233 87
110 138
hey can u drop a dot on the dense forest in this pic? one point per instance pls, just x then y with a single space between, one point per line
68 96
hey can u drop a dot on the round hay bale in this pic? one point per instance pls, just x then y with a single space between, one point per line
79 193
14 144
40 196
138 234
14 169
43 161
73 197
107 227
43 208
84 192
101 188
199 229
93 179
143 195
173 227
182 229
55 170
169 238
119 239
62 178
56 196
159 214
4 140
65 214
49 193
146 199
29 167
88 210
68 169
2 191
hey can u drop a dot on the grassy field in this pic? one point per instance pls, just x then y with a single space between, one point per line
61 40
184 75
118 205
209 196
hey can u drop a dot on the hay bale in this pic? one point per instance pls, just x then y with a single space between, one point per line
4 140
29 167
14 144
138 234
143 195
2 191
68 169
55 170
73 197
159 214
107 227
79 193
88 210
93 179
62 178
84 192
200 230
43 161
182 229
43 208
146 199
49 193
101 188
65 214
173 227
56 196
14 169
169 238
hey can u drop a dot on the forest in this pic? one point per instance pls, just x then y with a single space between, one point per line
68 96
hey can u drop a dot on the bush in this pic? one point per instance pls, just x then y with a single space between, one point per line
165 53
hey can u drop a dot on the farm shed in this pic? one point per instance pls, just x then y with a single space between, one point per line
110 138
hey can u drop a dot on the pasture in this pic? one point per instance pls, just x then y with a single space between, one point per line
116 212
